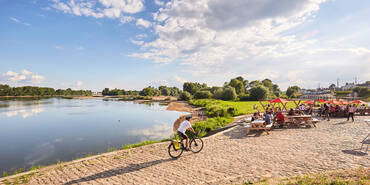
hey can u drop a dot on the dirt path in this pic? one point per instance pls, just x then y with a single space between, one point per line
228 158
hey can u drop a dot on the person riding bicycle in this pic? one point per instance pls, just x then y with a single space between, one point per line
185 125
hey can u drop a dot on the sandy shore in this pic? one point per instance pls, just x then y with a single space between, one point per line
229 157
181 106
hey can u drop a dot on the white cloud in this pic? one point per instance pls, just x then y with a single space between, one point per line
159 131
126 19
254 38
79 83
37 78
141 36
25 77
59 47
99 8
19 21
143 23
137 42
159 3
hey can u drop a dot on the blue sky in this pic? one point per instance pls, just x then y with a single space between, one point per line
130 44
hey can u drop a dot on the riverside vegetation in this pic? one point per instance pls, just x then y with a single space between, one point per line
234 98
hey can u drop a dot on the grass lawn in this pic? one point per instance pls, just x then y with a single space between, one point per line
242 107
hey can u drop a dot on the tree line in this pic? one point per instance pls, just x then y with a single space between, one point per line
236 89
148 91
6 90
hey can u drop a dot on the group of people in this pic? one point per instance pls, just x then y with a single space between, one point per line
270 116
330 110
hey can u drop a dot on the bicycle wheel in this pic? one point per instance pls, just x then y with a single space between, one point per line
196 145
173 152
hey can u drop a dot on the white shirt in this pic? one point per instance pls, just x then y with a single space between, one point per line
352 109
183 126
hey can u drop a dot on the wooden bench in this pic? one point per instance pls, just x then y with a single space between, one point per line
267 128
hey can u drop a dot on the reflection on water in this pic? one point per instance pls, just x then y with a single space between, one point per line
158 131
24 113
43 131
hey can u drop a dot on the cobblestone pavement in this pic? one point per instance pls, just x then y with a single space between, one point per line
230 157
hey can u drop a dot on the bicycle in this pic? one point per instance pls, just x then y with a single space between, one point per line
176 148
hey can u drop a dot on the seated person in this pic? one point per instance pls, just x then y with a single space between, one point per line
255 116
309 110
268 118
291 112
362 109
332 111
280 119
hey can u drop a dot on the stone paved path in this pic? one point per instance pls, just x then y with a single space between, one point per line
230 157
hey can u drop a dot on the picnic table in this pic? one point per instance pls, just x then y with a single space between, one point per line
299 120
258 125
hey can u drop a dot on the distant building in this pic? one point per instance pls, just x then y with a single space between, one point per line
319 93
348 86
97 94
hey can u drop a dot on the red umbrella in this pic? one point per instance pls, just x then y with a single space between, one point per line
335 102
309 102
359 102
279 100
321 101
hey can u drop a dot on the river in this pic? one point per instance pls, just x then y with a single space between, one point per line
44 131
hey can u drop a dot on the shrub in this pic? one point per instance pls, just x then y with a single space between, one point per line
203 95
185 96
258 93
244 97
217 93
229 93
203 127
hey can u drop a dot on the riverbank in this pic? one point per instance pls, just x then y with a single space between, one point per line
229 157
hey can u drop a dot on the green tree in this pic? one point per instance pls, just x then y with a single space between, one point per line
268 83
105 92
203 95
238 85
165 91
293 91
258 93
255 83
150 91
185 96
229 93
193 87
362 91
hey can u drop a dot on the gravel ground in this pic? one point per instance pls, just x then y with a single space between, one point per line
229 157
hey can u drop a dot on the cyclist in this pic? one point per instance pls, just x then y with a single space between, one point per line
185 125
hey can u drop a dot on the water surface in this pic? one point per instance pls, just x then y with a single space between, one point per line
41 132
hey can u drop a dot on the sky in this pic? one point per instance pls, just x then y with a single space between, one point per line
131 44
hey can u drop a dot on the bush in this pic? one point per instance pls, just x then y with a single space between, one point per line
185 96
258 93
244 97
217 93
203 127
229 93
203 95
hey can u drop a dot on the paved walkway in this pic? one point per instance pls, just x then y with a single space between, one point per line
230 157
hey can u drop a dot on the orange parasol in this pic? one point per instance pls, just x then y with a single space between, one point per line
335 102
359 102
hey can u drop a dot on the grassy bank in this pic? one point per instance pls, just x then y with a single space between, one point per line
231 108
343 177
